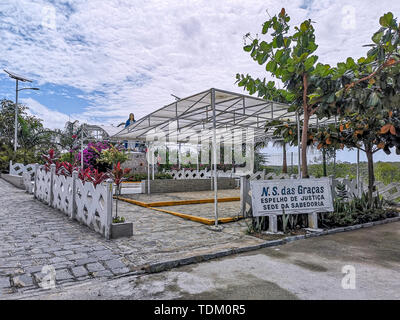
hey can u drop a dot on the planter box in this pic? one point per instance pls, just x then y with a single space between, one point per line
119 230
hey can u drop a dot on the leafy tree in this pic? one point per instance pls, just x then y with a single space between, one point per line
367 103
112 156
7 114
68 139
290 59
33 138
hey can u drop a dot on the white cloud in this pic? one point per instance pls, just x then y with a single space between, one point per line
51 119
139 52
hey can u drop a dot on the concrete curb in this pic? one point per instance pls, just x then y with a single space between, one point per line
167 265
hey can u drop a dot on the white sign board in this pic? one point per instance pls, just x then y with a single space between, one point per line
294 196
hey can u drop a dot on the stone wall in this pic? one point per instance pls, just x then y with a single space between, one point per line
170 185
136 162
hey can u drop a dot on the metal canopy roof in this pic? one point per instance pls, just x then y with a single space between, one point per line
192 117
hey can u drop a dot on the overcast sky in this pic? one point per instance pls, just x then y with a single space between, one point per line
97 61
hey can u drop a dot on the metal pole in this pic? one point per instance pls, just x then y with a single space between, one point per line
152 162
358 172
298 146
197 157
215 158
148 168
82 147
179 155
16 117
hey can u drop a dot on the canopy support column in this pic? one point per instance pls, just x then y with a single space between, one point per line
152 162
148 168
215 158
197 158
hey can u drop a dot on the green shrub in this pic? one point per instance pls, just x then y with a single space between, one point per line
355 211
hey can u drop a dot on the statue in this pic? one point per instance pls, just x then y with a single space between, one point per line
128 123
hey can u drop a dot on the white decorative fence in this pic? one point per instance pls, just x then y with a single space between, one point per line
94 205
201 174
81 201
43 185
389 192
63 194
18 169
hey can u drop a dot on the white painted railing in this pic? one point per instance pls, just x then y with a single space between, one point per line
201 174
43 185
81 201
63 194
18 169
94 205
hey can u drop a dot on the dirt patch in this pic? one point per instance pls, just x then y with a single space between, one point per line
310 266
270 237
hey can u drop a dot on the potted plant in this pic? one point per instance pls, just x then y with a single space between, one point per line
119 227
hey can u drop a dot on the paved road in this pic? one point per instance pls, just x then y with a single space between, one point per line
304 269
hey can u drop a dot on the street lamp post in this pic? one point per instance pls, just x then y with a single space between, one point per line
17 78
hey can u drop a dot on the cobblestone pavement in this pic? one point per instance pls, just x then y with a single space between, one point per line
206 210
33 235
306 269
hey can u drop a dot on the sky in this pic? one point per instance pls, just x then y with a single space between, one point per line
97 61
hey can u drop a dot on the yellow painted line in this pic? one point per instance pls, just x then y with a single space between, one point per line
177 202
186 216
191 201
138 203
181 215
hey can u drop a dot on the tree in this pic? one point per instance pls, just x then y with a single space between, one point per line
68 139
368 100
7 114
282 144
289 58
33 138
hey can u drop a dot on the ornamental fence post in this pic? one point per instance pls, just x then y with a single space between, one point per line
109 205
74 191
52 173
35 184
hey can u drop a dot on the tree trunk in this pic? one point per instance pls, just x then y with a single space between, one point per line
284 164
371 176
304 136
324 162
304 139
